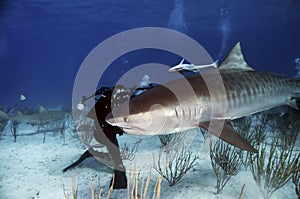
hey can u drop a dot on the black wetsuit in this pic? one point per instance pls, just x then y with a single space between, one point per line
106 135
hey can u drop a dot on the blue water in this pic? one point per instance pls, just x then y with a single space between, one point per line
43 42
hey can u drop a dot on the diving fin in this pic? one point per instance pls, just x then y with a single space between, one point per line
223 129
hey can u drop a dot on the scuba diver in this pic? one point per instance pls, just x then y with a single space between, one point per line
105 134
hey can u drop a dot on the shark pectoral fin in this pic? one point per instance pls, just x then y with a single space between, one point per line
223 129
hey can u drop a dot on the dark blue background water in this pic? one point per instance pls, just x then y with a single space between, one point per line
43 42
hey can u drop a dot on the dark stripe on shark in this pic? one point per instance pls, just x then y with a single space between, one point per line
250 86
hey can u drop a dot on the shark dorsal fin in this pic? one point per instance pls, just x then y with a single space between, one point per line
42 109
235 60
19 113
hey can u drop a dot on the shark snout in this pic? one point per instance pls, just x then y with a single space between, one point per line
122 122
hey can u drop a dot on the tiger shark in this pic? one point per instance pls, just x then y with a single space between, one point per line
169 108
43 116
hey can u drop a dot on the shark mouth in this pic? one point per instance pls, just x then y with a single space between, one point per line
131 128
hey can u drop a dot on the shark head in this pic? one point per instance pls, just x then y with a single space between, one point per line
147 114
130 122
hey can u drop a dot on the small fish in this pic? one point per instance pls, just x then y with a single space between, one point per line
22 97
191 67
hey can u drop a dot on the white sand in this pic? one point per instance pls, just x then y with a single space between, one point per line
31 169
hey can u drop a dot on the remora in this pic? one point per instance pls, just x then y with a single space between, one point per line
159 111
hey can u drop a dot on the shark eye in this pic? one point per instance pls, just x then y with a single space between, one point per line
126 119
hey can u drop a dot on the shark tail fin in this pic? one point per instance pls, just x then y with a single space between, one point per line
4 115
